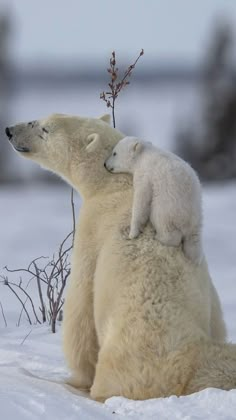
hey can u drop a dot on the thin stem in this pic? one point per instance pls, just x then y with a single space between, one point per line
21 270
3 314
73 214
21 312
113 113
115 84
22 303
43 309
29 297
26 337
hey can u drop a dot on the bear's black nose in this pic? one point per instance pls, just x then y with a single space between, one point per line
8 133
105 164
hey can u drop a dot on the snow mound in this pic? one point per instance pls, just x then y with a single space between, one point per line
210 404
32 385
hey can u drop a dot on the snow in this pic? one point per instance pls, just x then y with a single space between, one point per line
208 404
34 220
24 396
29 365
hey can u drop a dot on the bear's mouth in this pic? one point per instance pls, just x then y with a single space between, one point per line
21 149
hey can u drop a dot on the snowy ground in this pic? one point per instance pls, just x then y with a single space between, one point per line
33 222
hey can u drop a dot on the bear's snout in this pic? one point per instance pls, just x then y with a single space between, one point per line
16 142
8 133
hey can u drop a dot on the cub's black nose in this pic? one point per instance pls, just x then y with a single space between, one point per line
8 133
105 164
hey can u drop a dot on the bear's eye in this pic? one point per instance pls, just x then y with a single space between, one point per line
114 154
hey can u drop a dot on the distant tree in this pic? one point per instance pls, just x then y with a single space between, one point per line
211 145
4 91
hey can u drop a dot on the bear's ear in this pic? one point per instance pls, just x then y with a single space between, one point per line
137 147
106 118
92 141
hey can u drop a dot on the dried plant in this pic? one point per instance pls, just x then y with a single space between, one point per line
51 278
117 84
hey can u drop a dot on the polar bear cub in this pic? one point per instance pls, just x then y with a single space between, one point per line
166 190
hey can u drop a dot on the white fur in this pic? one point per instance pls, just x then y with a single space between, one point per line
166 190
140 320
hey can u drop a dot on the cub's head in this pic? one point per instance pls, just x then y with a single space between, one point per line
73 147
124 155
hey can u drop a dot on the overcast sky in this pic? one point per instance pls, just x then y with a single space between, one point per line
87 30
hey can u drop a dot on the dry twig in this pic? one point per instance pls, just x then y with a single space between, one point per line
3 314
51 280
116 84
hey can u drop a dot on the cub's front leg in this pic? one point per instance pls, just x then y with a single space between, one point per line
141 206
79 335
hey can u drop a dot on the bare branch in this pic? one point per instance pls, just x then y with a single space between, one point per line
115 84
3 314
51 280
22 270
21 312
18 297
43 308
73 214
19 286
26 337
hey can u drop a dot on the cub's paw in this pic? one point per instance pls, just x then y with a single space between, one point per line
130 234
134 234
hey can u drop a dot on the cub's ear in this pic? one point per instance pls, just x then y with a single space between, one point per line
92 142
137 147
106 118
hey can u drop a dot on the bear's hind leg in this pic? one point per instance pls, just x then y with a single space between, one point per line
216 368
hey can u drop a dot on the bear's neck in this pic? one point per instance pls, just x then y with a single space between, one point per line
104 183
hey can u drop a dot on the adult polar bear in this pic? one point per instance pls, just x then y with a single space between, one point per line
140 320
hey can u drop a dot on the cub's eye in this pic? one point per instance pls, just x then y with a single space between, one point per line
114 154
32 123
44 129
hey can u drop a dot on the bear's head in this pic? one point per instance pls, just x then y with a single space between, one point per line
73 147
124 155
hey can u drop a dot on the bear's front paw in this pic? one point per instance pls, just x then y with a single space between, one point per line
77 383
